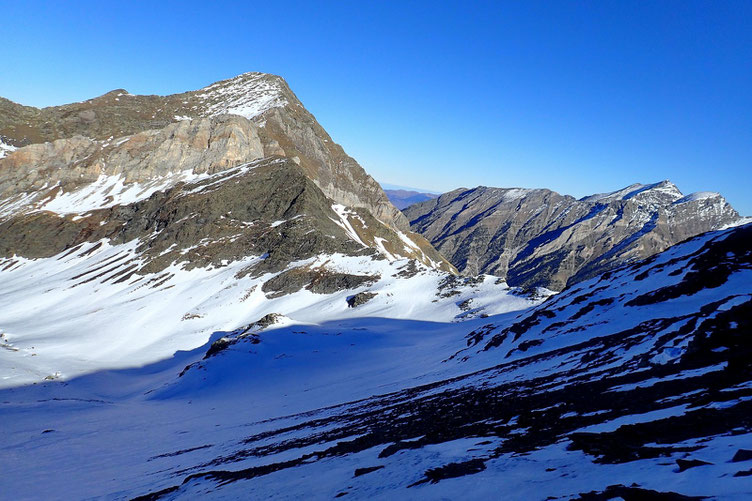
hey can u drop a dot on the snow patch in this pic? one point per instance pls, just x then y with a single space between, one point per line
248 95
344 223
6 149
700 195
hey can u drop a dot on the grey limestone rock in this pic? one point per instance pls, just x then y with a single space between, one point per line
541 238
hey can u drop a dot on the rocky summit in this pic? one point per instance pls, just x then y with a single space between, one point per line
537 237
279 125
211 165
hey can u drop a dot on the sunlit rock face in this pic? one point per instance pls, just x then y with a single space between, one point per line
283 125
540 238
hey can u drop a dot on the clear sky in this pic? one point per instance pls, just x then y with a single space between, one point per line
579 97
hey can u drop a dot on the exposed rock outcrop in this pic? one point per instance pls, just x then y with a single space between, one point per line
360 298
188 148
269 208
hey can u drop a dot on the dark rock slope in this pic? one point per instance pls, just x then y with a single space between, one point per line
270 208
540 238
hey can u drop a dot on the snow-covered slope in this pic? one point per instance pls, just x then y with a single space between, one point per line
248 95
633 385
656 192
84 309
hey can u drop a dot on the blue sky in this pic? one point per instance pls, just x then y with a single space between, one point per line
579 97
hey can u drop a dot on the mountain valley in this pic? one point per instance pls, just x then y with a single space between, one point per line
203 296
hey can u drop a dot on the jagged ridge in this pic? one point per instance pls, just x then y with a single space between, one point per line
542 238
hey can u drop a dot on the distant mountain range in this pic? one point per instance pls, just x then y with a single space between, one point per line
541 238
405 198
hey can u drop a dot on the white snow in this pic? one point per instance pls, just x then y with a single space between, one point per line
684 375
700 195
344 213
118 434
248 95
90 322
283 221
108 191
630 191
381 248
739 222
6 149
515 193
408 241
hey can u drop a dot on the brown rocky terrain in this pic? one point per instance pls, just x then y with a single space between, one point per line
283 124
207 177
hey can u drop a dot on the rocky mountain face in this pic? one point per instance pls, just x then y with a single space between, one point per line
405 198
541 238
283 126
163 219
236 169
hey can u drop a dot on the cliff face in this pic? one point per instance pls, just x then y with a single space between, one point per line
236 169
187 148
541 238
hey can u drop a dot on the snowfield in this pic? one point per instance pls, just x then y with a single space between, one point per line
630 385
72 314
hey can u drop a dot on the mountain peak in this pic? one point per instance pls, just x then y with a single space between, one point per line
699 195
666 189
248 78
116 93
248 95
